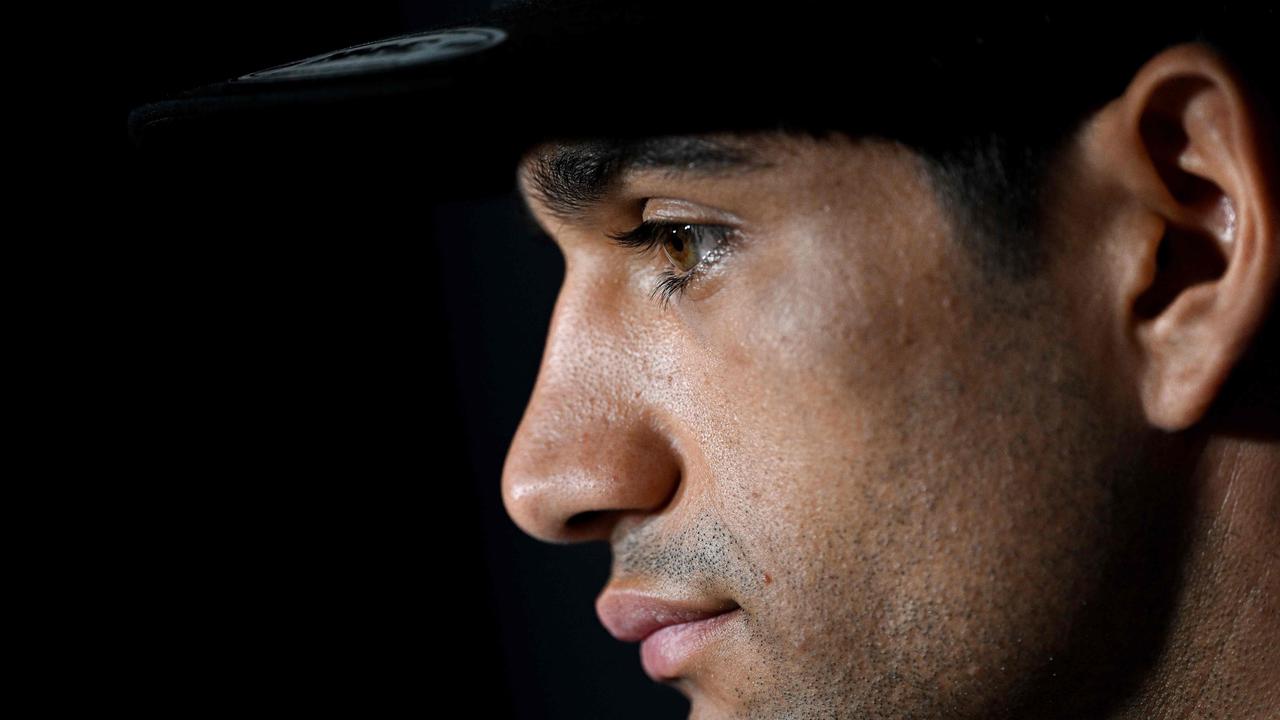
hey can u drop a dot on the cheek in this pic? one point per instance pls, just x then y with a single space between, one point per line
900 471
826 351
834 324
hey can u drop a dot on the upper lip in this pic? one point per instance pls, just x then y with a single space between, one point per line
631 616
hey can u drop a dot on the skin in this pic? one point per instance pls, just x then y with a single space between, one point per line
937 494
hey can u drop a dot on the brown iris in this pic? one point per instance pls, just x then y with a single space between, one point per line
680 247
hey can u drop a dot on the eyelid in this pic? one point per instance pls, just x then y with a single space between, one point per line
660 209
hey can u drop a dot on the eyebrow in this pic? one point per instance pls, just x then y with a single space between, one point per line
570 178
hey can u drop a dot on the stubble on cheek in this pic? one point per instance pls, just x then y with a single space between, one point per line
926 595
934 557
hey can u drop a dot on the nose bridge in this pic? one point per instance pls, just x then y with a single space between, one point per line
588 448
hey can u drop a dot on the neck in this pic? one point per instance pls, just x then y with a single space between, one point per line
1222 655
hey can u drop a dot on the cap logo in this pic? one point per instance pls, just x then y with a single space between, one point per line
403 51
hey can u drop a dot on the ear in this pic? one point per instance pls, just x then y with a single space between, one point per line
1191 150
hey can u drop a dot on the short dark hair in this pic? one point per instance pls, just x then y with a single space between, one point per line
990 162
991 175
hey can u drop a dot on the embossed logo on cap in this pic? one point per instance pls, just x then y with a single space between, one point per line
391 53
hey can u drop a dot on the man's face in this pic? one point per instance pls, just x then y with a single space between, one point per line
899 476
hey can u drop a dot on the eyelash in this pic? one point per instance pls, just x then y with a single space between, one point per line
648 236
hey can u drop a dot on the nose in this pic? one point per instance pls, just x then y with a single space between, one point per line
589 452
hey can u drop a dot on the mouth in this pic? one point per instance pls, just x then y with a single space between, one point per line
671 633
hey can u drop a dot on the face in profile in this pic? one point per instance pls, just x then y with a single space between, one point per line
843 471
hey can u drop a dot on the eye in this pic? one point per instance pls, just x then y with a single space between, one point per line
691 248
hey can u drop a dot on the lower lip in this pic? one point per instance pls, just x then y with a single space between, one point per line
664 652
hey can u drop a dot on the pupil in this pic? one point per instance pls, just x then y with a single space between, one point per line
677 240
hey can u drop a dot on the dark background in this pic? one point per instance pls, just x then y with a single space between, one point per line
306 385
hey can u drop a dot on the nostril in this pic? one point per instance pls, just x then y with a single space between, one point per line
589 525
582 519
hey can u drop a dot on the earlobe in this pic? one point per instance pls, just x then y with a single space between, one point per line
1193 153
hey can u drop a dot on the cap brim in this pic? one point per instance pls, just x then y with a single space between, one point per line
464 102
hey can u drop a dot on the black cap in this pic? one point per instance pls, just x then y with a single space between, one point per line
459 104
